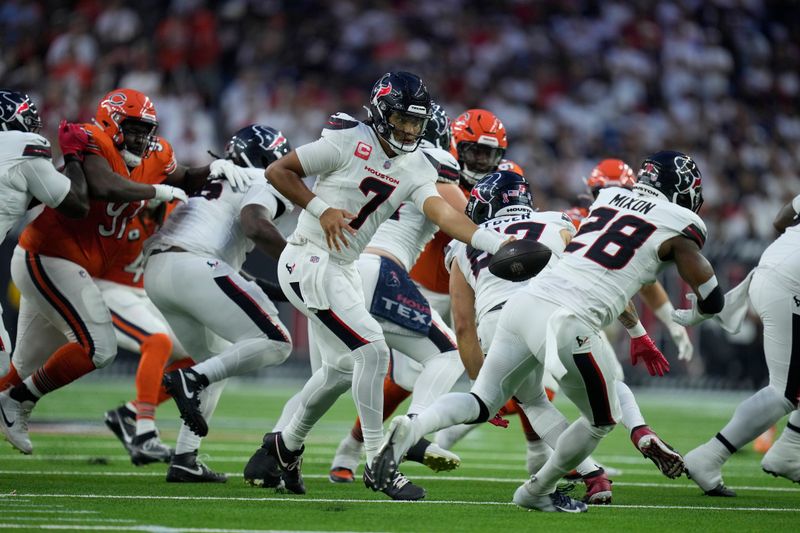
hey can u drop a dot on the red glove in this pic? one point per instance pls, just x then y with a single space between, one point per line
499 421
643 348
73 139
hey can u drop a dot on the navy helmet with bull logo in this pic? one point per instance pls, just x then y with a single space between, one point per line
673 176
494 194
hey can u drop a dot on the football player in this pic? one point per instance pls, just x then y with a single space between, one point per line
192 275
365 172
57 258
554 322
773 288
27 173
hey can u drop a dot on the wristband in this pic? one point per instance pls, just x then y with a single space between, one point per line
664 313
72 158
317 206
796 204
487 240
637 331
707 288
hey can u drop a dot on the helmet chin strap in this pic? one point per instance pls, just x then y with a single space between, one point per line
131 160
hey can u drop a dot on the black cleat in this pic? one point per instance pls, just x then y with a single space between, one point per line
122 423
185 468
148 448
400 487
273 463
185 385
721 491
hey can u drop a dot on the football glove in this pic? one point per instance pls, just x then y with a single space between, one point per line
644 349
236 176
168 193
499 421
691 316
72 138
681 339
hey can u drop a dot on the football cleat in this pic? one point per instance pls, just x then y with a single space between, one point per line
185 468
763 442
273 463
554 502
148 448
122 423
598 488
662 454
399 488
184 385
14 418
433 456
346 460
783 459
702 469
397 441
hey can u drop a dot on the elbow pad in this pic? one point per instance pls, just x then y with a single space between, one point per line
712 300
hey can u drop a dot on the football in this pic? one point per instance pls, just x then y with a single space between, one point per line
519 260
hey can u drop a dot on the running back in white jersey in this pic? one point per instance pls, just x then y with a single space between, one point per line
407 231
491 291
355 174
614 253
208 224
782 257
26 171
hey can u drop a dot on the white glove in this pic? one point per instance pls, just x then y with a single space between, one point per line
681 339
236 176
691 316
168 193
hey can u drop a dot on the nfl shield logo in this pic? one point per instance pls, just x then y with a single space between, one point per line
387 165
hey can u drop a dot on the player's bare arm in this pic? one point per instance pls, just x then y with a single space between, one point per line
787 216
460 227
462 300
105 184
695 269
189 179
452 195
286 175
76 203
629 317
655 297
257 226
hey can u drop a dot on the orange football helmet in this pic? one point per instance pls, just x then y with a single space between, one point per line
480 141
611 173
129 118
577 214
507 164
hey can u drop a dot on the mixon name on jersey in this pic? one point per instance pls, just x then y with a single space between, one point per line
632 203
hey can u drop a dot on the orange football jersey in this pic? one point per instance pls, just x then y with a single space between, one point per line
95 241
429 270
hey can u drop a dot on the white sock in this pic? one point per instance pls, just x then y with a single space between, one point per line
317 396
438 376
753 417
243 358
370 363
448 437
145 425
291 407
209 397
791 435
631 414
574 445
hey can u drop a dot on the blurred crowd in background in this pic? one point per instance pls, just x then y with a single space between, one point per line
574 81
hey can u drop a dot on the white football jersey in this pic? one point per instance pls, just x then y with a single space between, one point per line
209 224
614 253
407 231
525 223
26 171
782 257
354 173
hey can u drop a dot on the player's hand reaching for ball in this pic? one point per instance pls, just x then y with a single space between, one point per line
335 222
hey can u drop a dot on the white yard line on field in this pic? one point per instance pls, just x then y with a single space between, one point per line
152 528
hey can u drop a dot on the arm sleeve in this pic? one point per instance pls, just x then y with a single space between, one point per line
422 193
44 182
321 156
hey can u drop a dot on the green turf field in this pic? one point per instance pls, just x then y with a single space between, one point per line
79 477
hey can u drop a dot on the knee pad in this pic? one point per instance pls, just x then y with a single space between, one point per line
484 411
105 347
378 350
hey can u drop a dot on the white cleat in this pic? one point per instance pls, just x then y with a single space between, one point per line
666 459
396 443
705 470
783 459
556 502
440 460
14 418
345 462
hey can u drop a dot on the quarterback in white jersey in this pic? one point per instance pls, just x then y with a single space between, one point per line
773 289
27 173
365 171
628 237
221 318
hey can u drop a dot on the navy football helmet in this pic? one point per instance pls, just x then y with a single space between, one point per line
674 176
257 146
400 108
438 131
493 195
18 112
